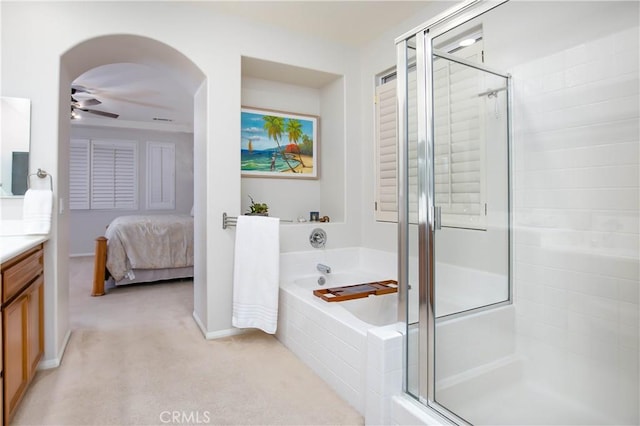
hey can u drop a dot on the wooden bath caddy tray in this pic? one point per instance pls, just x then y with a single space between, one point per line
357 291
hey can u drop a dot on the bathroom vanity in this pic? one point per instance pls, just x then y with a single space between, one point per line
22 295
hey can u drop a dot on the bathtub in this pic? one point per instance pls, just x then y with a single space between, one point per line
341 341
369 311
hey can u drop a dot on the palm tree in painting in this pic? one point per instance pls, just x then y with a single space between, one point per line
294 131
307 145
274 127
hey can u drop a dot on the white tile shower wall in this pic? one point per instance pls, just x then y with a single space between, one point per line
576 186
470 345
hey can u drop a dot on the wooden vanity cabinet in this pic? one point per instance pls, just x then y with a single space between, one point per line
22 325
15 371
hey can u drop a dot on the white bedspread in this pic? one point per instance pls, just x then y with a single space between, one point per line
149 242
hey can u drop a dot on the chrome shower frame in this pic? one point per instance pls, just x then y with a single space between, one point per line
427 211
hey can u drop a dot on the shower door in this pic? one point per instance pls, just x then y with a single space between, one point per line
470 176
471 255
457 231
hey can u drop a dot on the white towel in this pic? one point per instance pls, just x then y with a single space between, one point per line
36 211
256 273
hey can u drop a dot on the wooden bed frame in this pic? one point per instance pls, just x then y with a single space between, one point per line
99 267
101 274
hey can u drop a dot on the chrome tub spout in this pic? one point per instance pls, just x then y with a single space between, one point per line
323 268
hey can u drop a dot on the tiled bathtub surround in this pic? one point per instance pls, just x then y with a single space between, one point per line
330 339
576 153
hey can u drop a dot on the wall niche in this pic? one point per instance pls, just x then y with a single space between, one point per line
279 87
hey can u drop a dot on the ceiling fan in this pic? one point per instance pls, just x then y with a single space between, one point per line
81 105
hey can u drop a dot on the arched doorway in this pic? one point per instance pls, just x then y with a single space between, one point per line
97 52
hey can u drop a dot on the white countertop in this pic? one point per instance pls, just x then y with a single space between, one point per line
13 241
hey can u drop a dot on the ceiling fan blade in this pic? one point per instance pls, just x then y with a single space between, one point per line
87 103
102 113
79 89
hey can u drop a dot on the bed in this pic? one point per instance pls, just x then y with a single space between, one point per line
144 248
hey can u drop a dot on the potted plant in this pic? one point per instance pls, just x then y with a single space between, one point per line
258 209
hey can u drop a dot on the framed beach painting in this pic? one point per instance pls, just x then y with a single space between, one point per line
278 144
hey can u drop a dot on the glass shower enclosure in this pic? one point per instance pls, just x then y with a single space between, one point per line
489 254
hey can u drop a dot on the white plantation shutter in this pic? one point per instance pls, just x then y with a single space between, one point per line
161 175
459 142
79 176
387 151
412 140
114 175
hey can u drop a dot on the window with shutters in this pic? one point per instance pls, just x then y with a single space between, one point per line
387 149
459 145
386 153
79 177
458 151
114 183
103 175
161 175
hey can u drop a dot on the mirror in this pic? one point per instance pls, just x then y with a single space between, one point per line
15 130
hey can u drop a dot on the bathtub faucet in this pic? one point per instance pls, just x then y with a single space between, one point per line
323 268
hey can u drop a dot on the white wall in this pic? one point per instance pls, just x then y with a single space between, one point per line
89 224
200 270
337 153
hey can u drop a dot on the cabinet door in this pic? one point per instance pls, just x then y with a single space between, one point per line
35 329
2 399
1 382
15 340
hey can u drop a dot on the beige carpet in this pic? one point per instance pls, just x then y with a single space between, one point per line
136 357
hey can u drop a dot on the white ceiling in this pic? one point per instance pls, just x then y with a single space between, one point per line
135 92
139 93
353 23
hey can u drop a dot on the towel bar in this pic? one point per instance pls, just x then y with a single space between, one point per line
228 220
41 174
232 220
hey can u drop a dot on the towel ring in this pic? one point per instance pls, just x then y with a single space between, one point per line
41 174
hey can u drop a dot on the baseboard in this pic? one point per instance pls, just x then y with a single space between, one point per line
82 255
55 362
211 335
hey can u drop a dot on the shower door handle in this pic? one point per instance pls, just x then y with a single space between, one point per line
437 218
